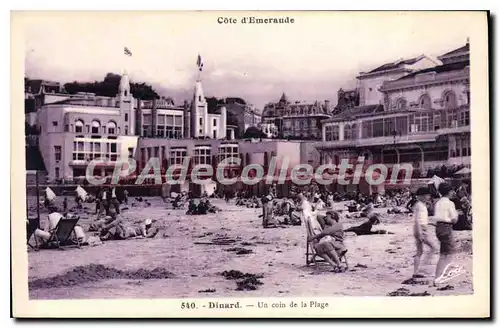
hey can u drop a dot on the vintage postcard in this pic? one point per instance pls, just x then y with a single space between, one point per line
250 164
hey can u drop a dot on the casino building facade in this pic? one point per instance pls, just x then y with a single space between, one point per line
423 119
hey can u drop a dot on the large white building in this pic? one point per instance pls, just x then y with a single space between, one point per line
76 129
83 127
369 83
423 119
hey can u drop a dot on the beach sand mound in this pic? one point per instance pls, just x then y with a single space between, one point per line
244 281
95 272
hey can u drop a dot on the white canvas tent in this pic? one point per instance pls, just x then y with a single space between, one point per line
49 194
209 188
435 181
81 193
463 172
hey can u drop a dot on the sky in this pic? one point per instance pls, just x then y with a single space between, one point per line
308 60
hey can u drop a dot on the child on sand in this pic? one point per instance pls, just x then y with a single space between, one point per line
421 229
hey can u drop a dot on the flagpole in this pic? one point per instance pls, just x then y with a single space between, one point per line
199 65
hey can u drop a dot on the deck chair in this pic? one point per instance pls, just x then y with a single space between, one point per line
62 234
311 256
31 226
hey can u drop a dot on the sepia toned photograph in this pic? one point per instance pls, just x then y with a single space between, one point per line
269 163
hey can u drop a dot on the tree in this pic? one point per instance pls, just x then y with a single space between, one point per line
253 132
108 87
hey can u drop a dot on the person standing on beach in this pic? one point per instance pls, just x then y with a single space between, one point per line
114 201
65 205
98 201
421 230
445 215
267 211
125 196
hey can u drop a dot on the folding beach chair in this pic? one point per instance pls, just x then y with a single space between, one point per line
61 235
311 256
31 226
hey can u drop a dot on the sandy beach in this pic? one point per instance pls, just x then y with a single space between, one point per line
378 264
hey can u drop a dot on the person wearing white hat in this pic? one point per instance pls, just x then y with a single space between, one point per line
150 228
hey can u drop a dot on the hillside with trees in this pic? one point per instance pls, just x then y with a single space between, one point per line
109 88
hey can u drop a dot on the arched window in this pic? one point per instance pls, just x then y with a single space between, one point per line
401 103
450 100
354 132
347 132
425 102
111 126
79 126
95 126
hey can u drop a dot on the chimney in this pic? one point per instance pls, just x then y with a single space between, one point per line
327 105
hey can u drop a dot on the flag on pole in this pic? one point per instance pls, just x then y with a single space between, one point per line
199 63
127 51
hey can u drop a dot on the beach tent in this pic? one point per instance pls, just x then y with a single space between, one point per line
463 172
49 194
81 193
209 188
435 181
433 184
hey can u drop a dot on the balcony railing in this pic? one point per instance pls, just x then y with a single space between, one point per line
454 129
108 161
424 80
428 136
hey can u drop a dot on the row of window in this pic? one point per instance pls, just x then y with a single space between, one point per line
214 122
162 131
461 148
202 155
93 150
300 124
94 128
425 102
163 119
397 126
293 111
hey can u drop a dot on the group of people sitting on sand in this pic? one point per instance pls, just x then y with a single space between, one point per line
249 202
177 200
203 207
115 227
